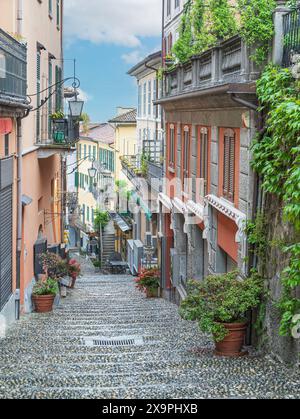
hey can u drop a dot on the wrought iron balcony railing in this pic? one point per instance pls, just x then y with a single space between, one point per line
13 70
291 29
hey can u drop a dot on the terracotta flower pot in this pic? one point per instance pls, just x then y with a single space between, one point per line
43 303
233 343
151 293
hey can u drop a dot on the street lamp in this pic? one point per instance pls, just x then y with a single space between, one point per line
76 107
92 171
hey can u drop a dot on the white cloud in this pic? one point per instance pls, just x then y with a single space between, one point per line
120 22
133 57
84 95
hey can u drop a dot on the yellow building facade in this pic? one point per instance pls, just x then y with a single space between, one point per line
94 150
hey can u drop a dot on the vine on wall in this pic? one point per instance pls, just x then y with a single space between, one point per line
206 22
276 157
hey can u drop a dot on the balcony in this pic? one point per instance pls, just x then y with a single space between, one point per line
228 65
13 73
55 136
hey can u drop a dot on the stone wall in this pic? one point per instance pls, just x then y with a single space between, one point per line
284 348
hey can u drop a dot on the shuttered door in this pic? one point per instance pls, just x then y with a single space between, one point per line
6 196
204 157
229 165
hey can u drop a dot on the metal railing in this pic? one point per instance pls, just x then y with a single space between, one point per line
13 69
152 150
291 30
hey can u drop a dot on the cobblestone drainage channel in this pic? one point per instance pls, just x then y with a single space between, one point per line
100 341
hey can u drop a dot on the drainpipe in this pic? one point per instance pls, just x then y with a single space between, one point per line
19 218
243 102
19 185
19 17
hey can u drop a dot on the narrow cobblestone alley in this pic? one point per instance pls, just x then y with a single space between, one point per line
49 356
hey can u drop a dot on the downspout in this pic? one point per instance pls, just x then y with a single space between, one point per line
19 187
19 17
19 215
257 196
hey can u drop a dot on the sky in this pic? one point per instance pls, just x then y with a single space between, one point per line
108 37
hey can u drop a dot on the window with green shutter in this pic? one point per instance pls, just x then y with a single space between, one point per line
58 13
38 96
76 179
50 10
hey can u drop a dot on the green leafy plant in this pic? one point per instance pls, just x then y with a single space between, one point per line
48 286
101 219
57 115
221 299
276 157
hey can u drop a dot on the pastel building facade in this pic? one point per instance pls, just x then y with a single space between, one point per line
39 25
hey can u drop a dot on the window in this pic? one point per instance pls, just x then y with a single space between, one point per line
149 97
140 100
169 43
58 14
168 8
177 4
79 151
229 165
50 81
185 157
172 146
38 96
6 145
154 109
94 152
90 153
50 9
84 155
204 159
145 99
58 96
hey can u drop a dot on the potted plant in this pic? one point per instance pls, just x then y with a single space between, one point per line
148 282
219 304
43 294
74 271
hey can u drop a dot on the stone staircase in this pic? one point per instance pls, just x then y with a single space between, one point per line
53 356
108 245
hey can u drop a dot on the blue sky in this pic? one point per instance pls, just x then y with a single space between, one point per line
102 72
107 39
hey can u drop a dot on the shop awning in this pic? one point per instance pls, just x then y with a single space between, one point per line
121 223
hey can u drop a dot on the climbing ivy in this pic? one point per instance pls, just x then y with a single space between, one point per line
256 25
206 22
276 157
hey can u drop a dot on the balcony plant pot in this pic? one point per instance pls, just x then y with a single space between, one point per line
232 344
43 303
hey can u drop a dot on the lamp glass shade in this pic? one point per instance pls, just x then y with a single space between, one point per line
92 172
76 107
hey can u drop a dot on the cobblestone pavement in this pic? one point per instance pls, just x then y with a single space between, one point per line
48 356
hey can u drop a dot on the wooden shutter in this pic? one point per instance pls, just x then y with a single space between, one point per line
185 157
164 49
204 157
229 165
